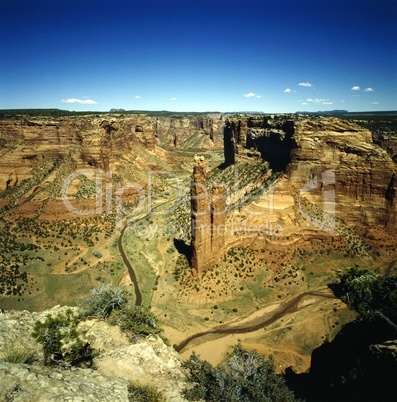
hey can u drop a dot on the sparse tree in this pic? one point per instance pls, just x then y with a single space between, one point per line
60 340
369 293
244 377
103 300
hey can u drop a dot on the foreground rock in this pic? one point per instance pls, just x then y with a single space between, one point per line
117 362
26 383
150 362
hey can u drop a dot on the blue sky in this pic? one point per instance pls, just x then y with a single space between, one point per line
219 55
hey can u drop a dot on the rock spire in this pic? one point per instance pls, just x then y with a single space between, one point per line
208 213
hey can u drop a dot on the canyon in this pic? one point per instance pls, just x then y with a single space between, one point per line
224 218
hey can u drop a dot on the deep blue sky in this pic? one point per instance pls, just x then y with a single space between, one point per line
186 55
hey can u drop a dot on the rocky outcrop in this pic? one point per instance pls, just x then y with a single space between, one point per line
272 137
208 218
188 131
362 172
117 362
202 258
26 383
230 135
90 141
150 362
329 157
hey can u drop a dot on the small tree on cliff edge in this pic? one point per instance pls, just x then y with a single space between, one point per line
369 293
60 340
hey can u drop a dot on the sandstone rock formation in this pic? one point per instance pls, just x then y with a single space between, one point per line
363 181
202 258
326 157
230 135
187 131
117 360
91 141
208 217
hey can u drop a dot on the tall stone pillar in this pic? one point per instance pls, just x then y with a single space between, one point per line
229 143
201 219
208 220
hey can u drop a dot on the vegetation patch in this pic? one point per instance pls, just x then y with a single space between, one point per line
243 377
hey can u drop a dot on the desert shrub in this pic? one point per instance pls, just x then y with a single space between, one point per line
14 354
60 340
136 321
244 377
144 393
103 300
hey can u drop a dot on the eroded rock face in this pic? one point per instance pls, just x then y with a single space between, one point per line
187 131
20 382
148 362
208 220
202 258
362 181
328 155
90 141
117 360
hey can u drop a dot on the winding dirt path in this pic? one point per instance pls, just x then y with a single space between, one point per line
134 280
138 294
285 308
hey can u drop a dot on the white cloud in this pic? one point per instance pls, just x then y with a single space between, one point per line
80 101
315 100
251 95
137 97
288 90
356 88
368 90
318 101
376 103
172 99
305 84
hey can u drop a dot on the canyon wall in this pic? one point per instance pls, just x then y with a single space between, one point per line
96 141
363 174
323 158
188 131
90 141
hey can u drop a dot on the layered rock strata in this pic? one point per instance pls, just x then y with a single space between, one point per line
90 141
208 217
330 161
177 132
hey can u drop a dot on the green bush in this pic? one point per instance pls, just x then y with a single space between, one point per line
111 303
60 340
103 300
244 377
137 321
144 393
369 293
